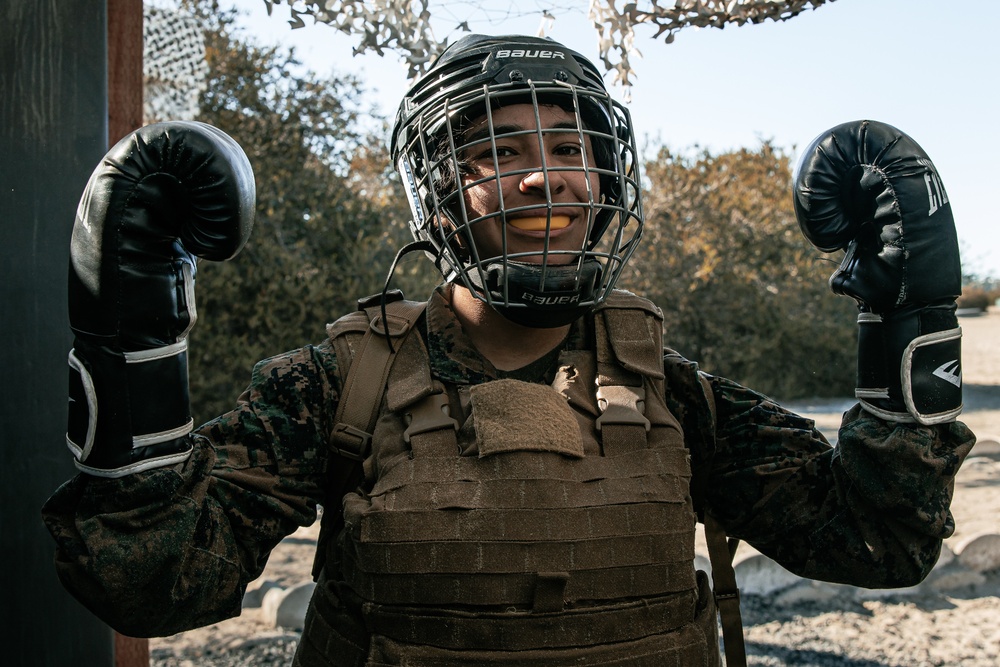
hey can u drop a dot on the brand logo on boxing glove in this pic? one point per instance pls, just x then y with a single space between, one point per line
936 195
950 371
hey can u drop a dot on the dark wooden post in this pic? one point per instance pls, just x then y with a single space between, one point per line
53 131
124 68
124 116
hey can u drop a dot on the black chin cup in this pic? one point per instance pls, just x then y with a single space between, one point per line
542 298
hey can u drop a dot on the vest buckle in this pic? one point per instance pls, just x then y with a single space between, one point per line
351 442
621 405
431 413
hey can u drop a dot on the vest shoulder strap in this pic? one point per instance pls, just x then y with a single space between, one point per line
632 336
368 369
361 341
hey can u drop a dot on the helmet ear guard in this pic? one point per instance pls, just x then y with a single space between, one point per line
472 80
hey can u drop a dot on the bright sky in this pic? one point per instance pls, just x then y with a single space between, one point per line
925 66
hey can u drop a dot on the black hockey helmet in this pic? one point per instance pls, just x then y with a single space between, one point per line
473 78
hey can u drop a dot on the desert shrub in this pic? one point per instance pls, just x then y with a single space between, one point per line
976 298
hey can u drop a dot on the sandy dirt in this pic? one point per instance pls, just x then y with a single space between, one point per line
930 629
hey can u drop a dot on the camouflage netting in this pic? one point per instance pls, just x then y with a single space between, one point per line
616 27
173 64
174 68
404 25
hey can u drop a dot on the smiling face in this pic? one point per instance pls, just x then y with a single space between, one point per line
522 176
531 198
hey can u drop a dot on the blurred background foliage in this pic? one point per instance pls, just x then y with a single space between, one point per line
329 213
742 291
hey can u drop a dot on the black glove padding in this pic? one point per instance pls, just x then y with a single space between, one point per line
869 189
164 194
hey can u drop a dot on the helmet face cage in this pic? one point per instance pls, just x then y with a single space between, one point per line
441 125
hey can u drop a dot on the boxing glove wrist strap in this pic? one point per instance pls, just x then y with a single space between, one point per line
909 365
128 411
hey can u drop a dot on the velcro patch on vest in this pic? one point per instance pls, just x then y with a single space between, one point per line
511 415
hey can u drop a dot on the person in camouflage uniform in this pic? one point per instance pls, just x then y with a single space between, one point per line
501 535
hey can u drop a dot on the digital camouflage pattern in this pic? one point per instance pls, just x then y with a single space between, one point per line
171 549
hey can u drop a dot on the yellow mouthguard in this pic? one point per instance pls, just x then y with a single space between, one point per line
538 224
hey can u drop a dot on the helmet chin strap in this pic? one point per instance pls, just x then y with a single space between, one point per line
566 293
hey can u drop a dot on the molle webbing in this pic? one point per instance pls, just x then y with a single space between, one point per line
526 550
684 647
527 630
502 531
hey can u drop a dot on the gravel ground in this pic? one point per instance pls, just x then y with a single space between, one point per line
941 632
960 628
903 632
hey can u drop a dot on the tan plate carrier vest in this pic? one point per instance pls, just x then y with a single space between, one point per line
555 528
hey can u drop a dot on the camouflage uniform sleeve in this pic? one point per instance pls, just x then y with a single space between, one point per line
871 512
167 550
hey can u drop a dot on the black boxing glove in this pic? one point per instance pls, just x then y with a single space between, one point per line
163 195
869 189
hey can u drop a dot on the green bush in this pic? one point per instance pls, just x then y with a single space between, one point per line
329 214
743 292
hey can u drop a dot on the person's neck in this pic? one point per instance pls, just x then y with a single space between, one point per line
507 345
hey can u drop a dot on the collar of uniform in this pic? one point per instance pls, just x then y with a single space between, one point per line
453 357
